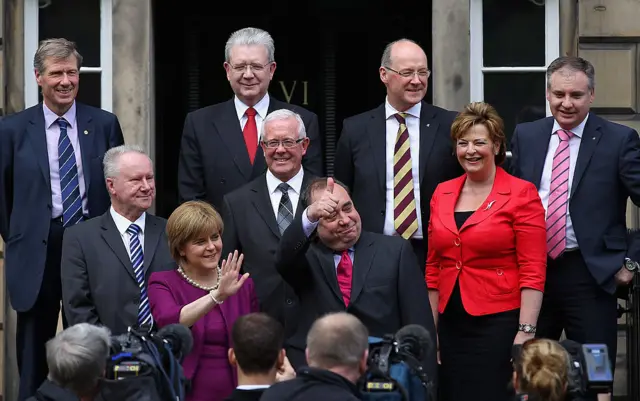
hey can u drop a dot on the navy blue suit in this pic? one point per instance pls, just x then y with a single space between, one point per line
33 240
580 289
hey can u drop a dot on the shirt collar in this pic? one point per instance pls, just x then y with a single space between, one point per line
295 182
122 223
413 111
577 131
262 107
50 117
252 386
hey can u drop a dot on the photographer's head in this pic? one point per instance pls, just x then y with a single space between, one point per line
77 358
542 370
339 342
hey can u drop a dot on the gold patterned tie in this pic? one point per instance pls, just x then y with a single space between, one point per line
405 218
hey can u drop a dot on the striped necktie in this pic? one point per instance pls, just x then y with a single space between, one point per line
137 260
285 210
405 218
558 197
69 184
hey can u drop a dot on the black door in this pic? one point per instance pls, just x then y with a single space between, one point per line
327 53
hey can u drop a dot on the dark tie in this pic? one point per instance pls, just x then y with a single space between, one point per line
285 210
250 133
405 217
137 260
558 196
69 184
344 273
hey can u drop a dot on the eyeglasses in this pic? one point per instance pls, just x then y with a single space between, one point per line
255 67
287 143
411 73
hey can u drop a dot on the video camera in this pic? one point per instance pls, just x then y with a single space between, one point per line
143 365
589 371
396 367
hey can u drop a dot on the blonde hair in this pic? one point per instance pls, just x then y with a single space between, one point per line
190 221
485 114
543 369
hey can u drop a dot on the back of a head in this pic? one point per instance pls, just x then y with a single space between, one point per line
543 370
257 342
337 340
77 357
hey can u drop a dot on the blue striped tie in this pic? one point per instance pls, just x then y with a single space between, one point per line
137 260
69 186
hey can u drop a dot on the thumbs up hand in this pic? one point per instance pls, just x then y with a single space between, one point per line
325 206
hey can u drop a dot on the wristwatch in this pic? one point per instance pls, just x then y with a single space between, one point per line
630 265
527 328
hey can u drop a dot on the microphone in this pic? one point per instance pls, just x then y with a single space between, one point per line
415 340
179 339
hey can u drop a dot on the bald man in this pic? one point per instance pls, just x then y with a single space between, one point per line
367 149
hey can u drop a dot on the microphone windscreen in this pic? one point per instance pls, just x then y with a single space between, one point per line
419 338
180 338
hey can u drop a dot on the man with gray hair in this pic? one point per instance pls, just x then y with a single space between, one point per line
257 214
77 359
107 260
50 179
337 352
220 151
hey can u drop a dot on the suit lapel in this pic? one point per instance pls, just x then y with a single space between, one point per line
590 138
37 133
113 239
328 266
497 198
86 133
447 202
539 147
262 202
362 261
377 133
152 234
428 130
228 127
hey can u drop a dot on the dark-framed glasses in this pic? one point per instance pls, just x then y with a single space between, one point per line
424 73
255 67
287 143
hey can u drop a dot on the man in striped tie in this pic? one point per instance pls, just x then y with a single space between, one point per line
107 260
585 169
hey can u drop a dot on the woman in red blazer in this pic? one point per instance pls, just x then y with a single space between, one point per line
486 262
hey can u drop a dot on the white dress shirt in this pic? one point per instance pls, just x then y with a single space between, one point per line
262 108
295 186
122 224
545 181
413 125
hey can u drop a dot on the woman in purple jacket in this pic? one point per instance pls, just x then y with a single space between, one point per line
204 295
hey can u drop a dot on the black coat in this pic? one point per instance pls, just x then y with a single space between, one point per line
313 384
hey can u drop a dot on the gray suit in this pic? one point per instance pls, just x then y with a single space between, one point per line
98 283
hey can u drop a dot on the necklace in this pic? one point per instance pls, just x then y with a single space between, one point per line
198 285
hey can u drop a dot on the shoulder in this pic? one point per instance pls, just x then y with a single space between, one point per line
206 112
168 276
450 185
95 112
534 126
157 220
439 112
610 128
304 113
365 116
21 117
240 194
84 229
387 242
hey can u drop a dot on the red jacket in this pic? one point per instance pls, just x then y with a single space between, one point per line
500 249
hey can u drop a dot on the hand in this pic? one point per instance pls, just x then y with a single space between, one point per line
229 281
521 337
623 276
285 372
325 206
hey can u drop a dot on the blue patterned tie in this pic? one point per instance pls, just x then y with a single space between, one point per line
69 186
137 260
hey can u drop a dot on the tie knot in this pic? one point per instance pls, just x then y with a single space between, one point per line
251 112
284 188
133 229
62 123
564 135
401 117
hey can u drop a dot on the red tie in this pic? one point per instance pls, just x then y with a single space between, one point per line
250 133
344 271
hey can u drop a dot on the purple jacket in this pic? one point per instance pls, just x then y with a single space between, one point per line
168 295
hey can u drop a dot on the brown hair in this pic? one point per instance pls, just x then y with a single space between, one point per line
543 369
481 113
572 63
191 220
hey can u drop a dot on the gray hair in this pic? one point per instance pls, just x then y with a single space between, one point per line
284 114
56 49
576 64
77 357
112 156
386 54
249 37
337 340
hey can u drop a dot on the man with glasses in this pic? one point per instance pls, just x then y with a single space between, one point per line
256 215
219 150
399 152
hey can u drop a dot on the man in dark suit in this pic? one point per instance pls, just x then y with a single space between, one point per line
107 260
585 169
393 157
256 215
219 150
50 178
333 265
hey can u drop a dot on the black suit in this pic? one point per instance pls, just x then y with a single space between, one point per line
360 163
388 290
33 240
250 227
213 156
98 282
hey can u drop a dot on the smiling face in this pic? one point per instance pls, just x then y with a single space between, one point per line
569 97
59 83
133 189
202 253
476 151
404 92
283 162
341 230
249 72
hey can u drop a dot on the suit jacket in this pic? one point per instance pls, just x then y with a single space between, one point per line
168 294
98 283
213 156
250 227
606 175
360 161
25 190
246 395
387 293
500 249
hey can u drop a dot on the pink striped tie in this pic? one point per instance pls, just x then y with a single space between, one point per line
558 194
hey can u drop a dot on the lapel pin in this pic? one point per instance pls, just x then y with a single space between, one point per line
489 205
428 125
86 132
594 138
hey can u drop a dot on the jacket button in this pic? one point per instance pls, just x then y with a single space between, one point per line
456 241
458 265
222 180
382 213
44 242
289 301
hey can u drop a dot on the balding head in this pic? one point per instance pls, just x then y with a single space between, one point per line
404 70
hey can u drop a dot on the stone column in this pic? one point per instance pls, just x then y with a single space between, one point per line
568 28
450 63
